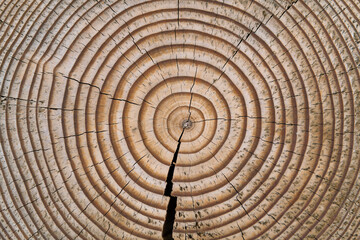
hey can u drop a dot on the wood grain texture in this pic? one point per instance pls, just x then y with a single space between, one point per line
248 112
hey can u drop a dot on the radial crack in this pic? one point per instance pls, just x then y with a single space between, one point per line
170 213
191 94
171 209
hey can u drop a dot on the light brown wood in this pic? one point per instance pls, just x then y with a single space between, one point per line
254 104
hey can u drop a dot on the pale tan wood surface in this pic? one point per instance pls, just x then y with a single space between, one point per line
261 97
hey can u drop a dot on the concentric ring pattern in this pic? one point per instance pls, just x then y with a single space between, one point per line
254 105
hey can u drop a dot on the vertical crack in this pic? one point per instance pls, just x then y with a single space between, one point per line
169 184
191 95
170 219
178 13
171 209
170 213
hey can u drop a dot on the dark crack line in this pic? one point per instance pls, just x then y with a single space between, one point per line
124 100
171 209
86 132
191 94
169 184
238 194
170 219
230 119
5 98
100 92
9 105
178 12
253 30
215 119
242 234
147 53
116 197
287 8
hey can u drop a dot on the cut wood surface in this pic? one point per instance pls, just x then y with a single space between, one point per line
179 119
